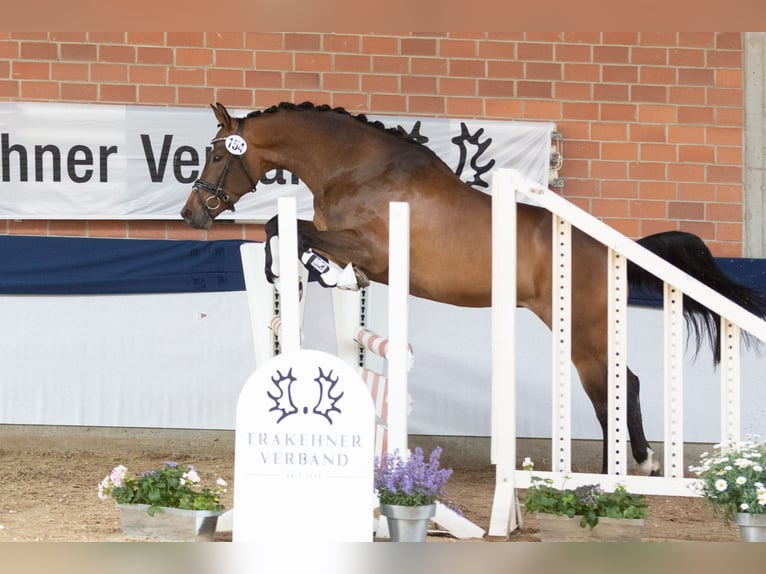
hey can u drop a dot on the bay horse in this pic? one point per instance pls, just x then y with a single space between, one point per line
354 168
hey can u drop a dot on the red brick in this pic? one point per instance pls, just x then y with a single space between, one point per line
9 50
426 105
686 134
34 90
542 110
195 95
418 46
390 65
351 82
692 172
496 88
582 37
543 71
695 115
235 40
106 37
193 57
643 209
609 208
658 38
723 136
573 53
9 89
728 40
572 91
352 102
465 108
79 92
147 75
223 232
623 38
704 192
341 43
640 93
657 190
186 77
226 78
534 51
150 55
728 232
86 52
657 75
185 39
269 97
457 87
582 72
157 94
536 90
388 103
117 93
418 85
503 108
611 92
620 189
263 41
609 131
68 37
242 59
724 174
724 97
22 70
108 73
107 228
648 170
618 112
611 54
313 62
696 153
724 58
686 210
648 56
478 69
729 155
696 77
379 45
449 48
658 152
685 95
729 193
657 114
686 57
608 170
697 39
428 66
619 151
123 54
39 51
498 51
147 38
728 78
620 74
237 97
724 211
703 229
579 111
281 61
352 63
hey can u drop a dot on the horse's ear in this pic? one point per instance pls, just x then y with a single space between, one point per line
222 115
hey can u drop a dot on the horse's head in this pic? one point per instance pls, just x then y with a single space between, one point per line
227 175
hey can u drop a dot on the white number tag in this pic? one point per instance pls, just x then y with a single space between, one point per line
236 144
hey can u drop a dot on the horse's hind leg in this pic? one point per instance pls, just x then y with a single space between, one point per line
642 453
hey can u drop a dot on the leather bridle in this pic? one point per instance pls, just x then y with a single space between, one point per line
217 195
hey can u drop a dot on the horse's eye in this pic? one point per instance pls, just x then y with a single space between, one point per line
217 157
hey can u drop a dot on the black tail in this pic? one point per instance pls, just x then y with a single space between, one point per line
688 252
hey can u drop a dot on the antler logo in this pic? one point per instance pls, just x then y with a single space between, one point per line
288 401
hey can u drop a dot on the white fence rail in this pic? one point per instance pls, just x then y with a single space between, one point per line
506 184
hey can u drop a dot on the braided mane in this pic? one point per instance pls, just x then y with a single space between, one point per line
309 106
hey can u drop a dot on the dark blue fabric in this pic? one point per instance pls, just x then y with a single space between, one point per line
84 266
748 272
87 266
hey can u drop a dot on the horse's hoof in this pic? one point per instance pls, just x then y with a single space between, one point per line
655 472
361 279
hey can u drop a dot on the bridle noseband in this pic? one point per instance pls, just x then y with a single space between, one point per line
217 195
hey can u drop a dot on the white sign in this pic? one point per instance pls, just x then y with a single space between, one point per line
95 161
304 452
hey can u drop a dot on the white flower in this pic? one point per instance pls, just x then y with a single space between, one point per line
720 485
762 499
527 464
221 482
744 506
191 476
741 480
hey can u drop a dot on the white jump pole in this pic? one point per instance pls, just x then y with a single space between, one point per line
398 292
289 300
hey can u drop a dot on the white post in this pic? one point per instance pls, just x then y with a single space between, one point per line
398 292
503 446
673 321
289 300
618 367
561 327
260 298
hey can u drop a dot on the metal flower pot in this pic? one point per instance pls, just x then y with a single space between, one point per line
407 523
752 527
168 524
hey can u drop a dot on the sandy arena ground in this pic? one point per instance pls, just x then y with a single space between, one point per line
48 479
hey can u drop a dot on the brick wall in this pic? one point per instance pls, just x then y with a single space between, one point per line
652 122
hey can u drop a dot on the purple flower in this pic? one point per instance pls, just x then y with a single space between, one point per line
170 464
410 482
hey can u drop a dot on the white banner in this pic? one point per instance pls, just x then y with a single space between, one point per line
94 161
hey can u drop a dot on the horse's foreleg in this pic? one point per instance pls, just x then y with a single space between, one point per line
642 453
